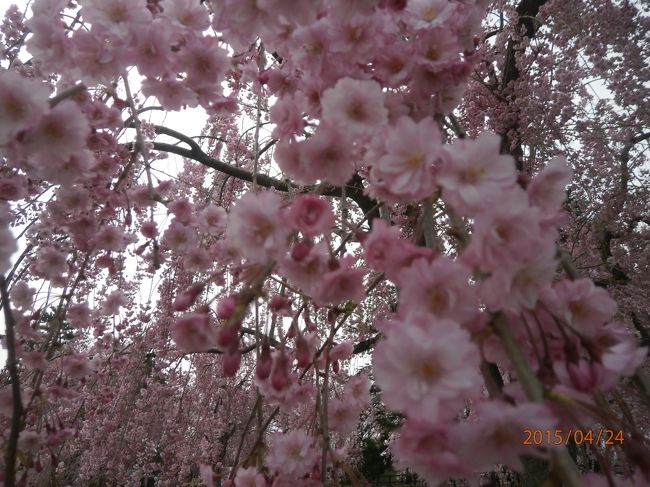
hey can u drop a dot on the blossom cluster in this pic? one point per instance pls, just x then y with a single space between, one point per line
389 228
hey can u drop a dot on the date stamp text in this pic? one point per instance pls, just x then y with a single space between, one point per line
543 437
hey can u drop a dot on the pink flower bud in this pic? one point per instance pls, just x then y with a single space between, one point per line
264 363
149 229
280 374
300 250
336 367
187 298
303 354
231 362
141 248
227 337
279 302
226 307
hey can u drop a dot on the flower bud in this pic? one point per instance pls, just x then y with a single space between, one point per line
231 362
303 354
226 307
264 363
227 337
280 374
300 250
186 298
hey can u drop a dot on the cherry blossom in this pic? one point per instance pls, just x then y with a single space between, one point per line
23 104
475 173
411 227
292 454
194 332
354 106
254 226
424 363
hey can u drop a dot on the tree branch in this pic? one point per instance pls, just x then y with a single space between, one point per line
625 159
354 188
17 404
527 11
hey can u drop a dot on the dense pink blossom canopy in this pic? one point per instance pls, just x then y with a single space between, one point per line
254 243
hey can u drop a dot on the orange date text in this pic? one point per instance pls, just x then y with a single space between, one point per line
543 437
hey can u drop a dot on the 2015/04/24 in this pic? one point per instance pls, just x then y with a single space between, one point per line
537 437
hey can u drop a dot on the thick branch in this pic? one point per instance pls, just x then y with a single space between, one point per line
625 159
354 188
365 345
17 405
527 10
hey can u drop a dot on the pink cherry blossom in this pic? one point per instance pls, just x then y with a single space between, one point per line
340 285
342 351
205 61
434 450
189 14
79 315
306 265
288 157
406 169
328 155
113 302
424 362
440 287
287 115
171 93
547 189
358 390
430 12
325 127
13 188
35 360
249 477
178 237
22 296
585 306
77 365
475 173
497 436
120 16
22 103
182 209
342 415
623 354
387 252
438 48
149 229
194 333
153 54
508 231
519 286
310 215
98 56
255 227
110 238
50 262
292 454
62 131
212 220
30 440
354 106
